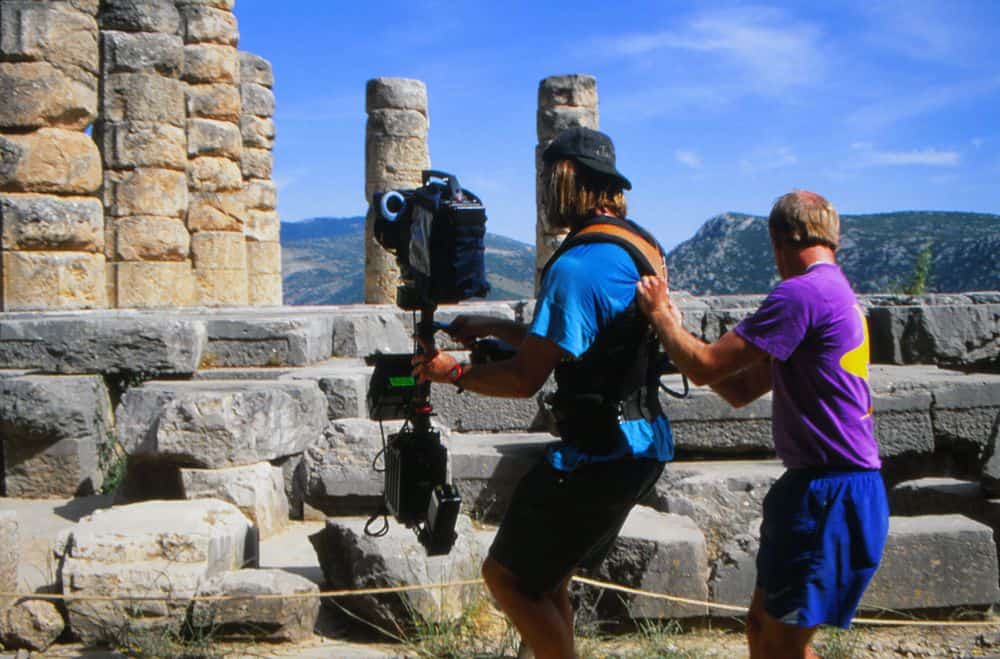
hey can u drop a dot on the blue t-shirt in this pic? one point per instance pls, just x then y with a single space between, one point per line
582 292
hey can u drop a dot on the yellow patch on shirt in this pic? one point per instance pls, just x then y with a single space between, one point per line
856 361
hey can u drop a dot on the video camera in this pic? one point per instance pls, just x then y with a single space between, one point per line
436 233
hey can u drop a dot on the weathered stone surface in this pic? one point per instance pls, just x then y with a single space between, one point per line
258 490
151 548
214 101
31 625
204 24
389 159
262 225
131 144
215 211
290 620
209 63
52 427
143 97
154 284
142 52
705 423
47 222
257 163
255 69
267 339
146 191
396 94
140 16
398 123
102 342
221 423
49 32
209 174
50 160
151 239
468 412
217 4
10 555
257 132
734 572
219 250
944 496
258 100
343 381
575 90
966 335
207 137
263 258
966 418
36 94
53 280
903 423
935 561
658 552
375 330
351 559
264 290
221 287
552 121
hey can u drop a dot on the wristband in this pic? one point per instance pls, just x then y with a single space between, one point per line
455 374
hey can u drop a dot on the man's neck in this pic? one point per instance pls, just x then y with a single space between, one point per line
799 261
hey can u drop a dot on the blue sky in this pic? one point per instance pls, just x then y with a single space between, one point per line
713 107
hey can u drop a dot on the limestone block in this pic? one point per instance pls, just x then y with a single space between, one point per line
966 410
221 287
705 423
50 160
218 250
255 69
734 571
903 423
960 335
935 561
52 426
552 121
258 100
151 239
209 63
944 496
86 6
140 16
398 123
49 32
154 284
10 555
210 174
142 52
351 559
396 94
216 211
385 154
203 24
260 195
262 226
576 90
53 280
43 222
257 132
288 619
214 101
258 490
207 137
146 191
143 97
659 552
472 413
36 94
374 330
257 163
264 290
31 625
134 144
217 4
251 338
263 258
343 381
217 424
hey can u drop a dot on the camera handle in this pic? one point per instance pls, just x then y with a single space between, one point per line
454 189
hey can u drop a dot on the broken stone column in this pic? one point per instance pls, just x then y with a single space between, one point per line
50 170
263 226
395 155
143 142
563 102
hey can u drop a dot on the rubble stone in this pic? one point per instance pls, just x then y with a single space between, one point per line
258 490
48 222
50 160
31 625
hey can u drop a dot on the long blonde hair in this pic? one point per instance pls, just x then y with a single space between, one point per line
574 193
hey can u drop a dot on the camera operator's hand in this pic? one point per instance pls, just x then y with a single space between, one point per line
465 329
653 297
439 367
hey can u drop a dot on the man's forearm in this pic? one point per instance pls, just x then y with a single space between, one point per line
686 351
500 379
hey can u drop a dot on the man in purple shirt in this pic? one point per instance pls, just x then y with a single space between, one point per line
826 518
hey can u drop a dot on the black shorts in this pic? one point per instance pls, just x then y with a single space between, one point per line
560 521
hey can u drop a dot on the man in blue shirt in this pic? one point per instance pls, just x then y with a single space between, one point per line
567 511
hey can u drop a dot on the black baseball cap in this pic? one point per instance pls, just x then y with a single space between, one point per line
590 148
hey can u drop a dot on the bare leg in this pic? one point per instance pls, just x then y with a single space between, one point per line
540 621
769 638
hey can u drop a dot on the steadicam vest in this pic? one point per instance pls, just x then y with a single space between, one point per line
617 378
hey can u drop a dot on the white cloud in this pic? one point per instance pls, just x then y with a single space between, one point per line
762 160
892 108
929 157
688 158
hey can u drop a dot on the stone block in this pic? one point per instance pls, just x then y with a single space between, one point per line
359 334
257 163
935 561
219 250
287 619
10 556
133 144
49 32
260 195
386 155
271 339
53 280
215 424
31 625
704 423
960 335
264 290
552 121
343 381
966 411
398 123
50 160
146 191
151 239
140 16
55 223
257 132
469 412
263 258
217 4
154 284
255 69
52 427
903 424
396 94
215 211
209 63
576 90
214 101
221 287
262 226
208 137
352 559
734 572
258 490
143 97
258 100
944 496
658 552
37 94
209 174
142 52
203 24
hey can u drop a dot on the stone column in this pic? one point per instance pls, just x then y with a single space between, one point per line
215 153
563 102
263 226
395 155
50 170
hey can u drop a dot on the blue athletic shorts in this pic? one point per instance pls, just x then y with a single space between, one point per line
820 543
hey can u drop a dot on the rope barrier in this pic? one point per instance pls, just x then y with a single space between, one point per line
898 622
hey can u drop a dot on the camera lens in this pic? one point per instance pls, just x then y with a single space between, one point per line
392 204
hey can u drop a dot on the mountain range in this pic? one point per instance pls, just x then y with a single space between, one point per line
323 257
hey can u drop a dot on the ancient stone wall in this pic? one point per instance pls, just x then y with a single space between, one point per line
179 154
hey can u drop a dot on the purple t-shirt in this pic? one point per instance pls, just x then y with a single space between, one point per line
816 332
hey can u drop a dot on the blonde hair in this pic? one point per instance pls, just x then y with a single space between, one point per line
802 218
574 193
